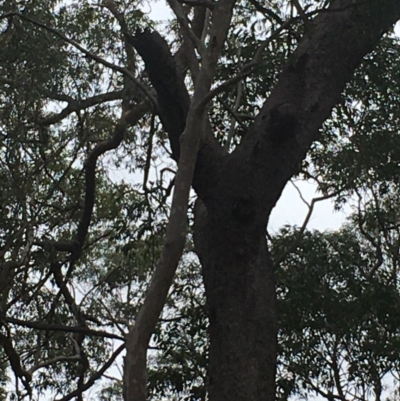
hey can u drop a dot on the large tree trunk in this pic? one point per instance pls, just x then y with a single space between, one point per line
240 289
230 239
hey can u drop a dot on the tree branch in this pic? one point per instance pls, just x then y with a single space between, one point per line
304 97
172 96
60 327
77 105
127 119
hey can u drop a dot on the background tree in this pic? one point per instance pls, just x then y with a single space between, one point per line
236 93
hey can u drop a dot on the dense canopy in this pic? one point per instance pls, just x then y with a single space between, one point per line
109 117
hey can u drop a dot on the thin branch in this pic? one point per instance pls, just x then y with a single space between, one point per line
247 68
233 114
186 30
329 396
96 376
300 233
246 71
60 327
77 105
117 322
52 361
299 193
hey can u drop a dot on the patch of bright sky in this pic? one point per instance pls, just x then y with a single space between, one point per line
158 10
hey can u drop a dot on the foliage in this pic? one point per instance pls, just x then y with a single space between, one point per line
66 304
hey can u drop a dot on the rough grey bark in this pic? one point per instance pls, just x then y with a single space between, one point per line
238 192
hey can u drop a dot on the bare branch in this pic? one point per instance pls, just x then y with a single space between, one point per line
300 194
302 229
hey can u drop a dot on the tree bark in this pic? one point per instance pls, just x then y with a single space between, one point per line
240 289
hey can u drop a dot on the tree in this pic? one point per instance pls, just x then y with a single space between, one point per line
76 245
